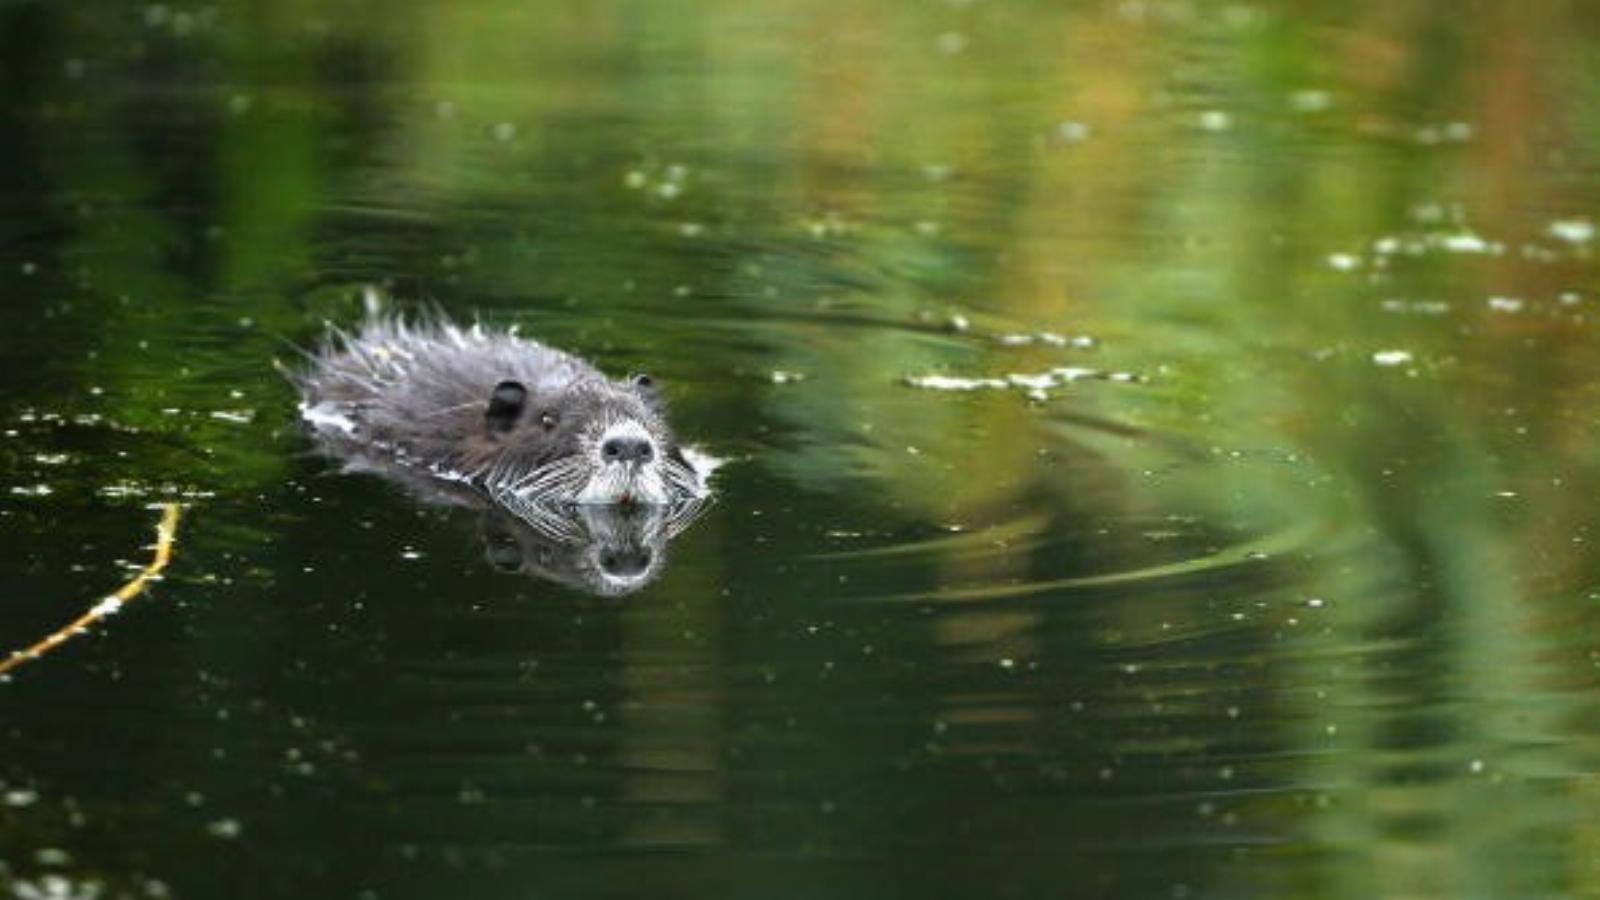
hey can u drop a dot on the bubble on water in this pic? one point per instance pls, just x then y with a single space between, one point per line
1215 120
1506 304
780 376
1344 262
1476 766
1573 231
1392 357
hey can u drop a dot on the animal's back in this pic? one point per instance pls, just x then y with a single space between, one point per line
416 392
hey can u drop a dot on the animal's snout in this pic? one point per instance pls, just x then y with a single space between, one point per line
627 448
626 563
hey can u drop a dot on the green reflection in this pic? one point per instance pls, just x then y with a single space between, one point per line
1287 590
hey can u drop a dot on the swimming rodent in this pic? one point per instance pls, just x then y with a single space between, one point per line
471 407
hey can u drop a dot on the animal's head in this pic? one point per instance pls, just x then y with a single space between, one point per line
592 442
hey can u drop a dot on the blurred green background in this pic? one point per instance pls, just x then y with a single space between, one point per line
1161 446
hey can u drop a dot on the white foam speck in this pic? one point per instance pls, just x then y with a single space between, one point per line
1392 357
1573 231
1464 242
952 383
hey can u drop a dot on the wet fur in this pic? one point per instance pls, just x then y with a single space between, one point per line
414 395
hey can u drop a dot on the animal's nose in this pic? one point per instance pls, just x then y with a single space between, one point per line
625 563
627 449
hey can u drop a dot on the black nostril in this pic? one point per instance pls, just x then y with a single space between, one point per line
627 449
626 562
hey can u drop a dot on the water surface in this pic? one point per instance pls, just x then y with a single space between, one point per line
1160 450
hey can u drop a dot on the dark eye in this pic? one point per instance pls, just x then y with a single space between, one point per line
642 380
548 420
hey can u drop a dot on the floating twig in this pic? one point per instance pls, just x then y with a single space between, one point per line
166 531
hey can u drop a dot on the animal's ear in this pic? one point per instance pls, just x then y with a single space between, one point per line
645 385
505 405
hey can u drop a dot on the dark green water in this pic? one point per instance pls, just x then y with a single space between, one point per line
1256 557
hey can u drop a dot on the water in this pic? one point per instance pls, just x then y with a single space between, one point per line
1159 437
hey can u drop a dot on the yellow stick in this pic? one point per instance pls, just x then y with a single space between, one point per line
166 531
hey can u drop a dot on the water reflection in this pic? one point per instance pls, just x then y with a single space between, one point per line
1306 608
606 550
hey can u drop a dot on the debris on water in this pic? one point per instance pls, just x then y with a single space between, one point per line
1392 357
953 383
1416 307
1447 133
227 829
1466 242
19 797
1310 101
1027 381
1072 132
1048 339
1573 231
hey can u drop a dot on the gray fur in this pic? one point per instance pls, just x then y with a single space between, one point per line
413 396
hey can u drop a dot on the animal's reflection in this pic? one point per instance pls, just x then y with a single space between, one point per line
607 550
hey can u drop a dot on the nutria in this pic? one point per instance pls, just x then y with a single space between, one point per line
483 409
